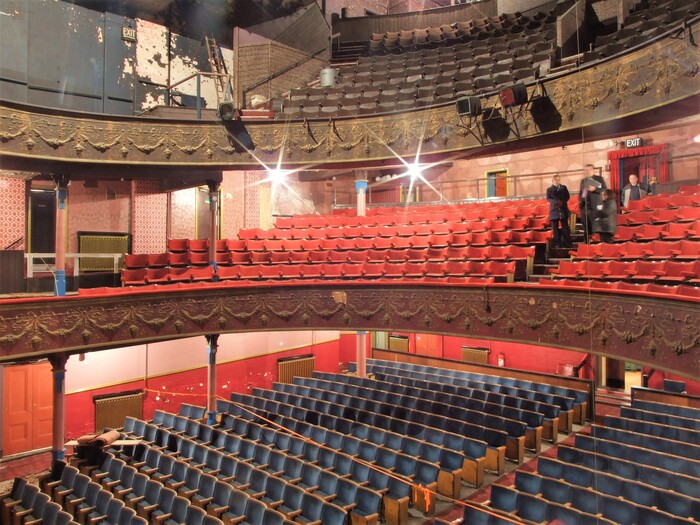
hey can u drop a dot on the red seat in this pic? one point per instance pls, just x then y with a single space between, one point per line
266 234
316 257
335 256
359 256
665 249
405 230
522 252
596 269
689 250
517 223
678 271
439 240
279 257
157 275
649 232
178 259
396 255
477 268
569 269
332 244
316 233
394 270
458 254
221 245
478 226
420 241
284 222
526 211
198 245
500 269
481 238
373 270
291 245
632 287
248 233
255 245
417 254
472 215
689 188
158 260
202 274
240 257
626 233
460 239
387 231
177 245
521 237
415 270
639 217
588 251
342 244
311 271
663 216
351 232
275 271
676 230
443 228
435 269
634 250
497 225
657 202
198 258
274 245
332 271
369 232
298 234
679 200
422 230
491 213
133 277
499 237
363 244
259 257
244 272
689 291
401 243
473 253
538 223
235 245
649 270
376 255
310 244
223 258
460 228
132 261
621 269
353 270
382 243
437 254
333 233
454 216
179 275
688 214
637 205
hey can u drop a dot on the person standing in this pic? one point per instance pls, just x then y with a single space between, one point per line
558 199
590 196
605 223
634 191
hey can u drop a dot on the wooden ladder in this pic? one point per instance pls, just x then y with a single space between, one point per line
218 67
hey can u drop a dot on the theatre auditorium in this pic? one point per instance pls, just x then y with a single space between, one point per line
334 262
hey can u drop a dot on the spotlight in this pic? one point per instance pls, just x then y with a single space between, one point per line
470 106
277 176
226 111
515 95
414 171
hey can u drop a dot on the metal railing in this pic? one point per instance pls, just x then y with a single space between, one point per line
31 259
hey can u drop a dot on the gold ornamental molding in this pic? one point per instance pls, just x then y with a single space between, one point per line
660 74
661 333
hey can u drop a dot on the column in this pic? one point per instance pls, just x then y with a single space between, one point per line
58 369
62 182
213 219
213 342
361 189
361 353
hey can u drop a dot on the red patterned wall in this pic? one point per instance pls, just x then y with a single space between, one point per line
252 198
232 203
13 211
183 214
148 217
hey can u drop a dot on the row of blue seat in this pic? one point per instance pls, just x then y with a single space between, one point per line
533 420
660 418
665 408
434 389
637 439
654 429
581 397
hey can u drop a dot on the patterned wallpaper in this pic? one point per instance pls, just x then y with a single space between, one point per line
105 208
183 214
232 203
252 198
13 211
148 217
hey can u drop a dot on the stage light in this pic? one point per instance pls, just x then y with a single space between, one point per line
515 95
227 111
277 176
414 171
469 106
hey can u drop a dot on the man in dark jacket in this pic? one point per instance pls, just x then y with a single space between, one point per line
590 196
558 199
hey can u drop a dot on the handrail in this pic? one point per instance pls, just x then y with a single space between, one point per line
31 257
14 243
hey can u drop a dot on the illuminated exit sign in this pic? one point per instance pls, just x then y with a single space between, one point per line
634 143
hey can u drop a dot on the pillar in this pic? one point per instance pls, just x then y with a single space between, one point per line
213 219
213 342
62 182
361 189
58 370
361 353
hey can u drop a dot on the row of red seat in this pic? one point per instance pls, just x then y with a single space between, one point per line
681 289
673 271
660 250
651 232
499 270
687 196
659 216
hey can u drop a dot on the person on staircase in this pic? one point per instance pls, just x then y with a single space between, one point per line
558 199
605 224
590 196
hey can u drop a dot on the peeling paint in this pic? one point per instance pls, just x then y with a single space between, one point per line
100 35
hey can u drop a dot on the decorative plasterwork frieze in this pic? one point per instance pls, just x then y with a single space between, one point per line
664 72
661 333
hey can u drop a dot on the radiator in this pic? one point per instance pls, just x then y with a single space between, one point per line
475 355
302 366
111 409
101 243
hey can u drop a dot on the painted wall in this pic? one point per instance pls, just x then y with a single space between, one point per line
148 217
174 372
13 211
183 211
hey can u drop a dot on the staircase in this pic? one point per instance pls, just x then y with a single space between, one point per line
349 52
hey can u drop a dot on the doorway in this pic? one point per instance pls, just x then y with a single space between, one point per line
27 408
646 167
42 221
497 183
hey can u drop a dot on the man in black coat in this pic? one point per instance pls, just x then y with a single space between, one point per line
558 199
590 196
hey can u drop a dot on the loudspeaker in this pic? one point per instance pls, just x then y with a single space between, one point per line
226 111
469 106
515 95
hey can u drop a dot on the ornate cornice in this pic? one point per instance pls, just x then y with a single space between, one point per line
664 334
661 73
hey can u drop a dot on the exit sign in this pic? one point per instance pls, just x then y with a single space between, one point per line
128 34
633 143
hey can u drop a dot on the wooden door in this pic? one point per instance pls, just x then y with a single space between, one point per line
28 408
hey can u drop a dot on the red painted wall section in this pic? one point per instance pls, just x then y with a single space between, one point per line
167 392
12 212
657 381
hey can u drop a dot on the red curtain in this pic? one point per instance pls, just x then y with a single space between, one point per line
614 158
